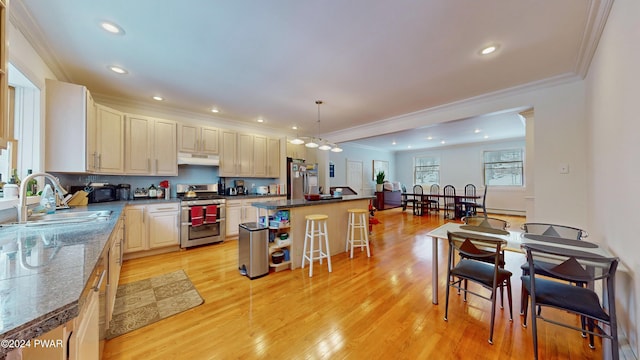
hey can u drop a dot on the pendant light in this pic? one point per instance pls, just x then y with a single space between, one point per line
316 142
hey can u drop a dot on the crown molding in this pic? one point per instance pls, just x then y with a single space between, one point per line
598 13
21 18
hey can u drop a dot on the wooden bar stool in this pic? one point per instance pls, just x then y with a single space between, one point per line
357 221
315 225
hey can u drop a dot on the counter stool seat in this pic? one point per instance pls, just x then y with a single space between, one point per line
316 227
357 221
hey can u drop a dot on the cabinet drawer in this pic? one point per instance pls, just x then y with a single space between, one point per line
163 207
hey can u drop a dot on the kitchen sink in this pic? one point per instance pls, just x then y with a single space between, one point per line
64 218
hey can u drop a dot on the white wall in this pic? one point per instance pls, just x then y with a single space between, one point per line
366 155
614 169
461 165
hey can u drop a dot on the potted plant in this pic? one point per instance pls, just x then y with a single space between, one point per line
380 181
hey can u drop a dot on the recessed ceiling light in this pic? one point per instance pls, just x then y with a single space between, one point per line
215 110
408 146
486 136
489 49
443 142
112 28
476 131
393 143
158 98
117 69
294 127
429 137
260 120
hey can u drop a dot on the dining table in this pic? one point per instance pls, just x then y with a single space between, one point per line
515 240
458 199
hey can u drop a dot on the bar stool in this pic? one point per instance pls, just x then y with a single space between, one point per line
315 225
357 220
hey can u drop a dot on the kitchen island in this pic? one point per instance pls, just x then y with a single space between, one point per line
335 208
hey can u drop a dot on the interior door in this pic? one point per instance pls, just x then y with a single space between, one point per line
354 175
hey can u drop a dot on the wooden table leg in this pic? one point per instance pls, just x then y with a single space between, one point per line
434 270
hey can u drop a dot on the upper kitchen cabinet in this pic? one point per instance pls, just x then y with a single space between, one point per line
4 74
71 128
273 157
198 139
248 155
150 146
109 140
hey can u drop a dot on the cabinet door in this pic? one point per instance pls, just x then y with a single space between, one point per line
138 143
110 140
245 155
209 140
273 158
188 138
233 213
115 264
165 149
135 237
163 226
85 340
66 127
92 154
228 156
259 156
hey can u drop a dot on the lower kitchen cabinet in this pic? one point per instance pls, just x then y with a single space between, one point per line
115 265
150 227
241 211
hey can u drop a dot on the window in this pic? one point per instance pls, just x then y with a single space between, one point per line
426 171
503 167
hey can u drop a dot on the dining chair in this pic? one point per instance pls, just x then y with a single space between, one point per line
490 276
574 267
485 221
546 229
450 203
433 202
417 200
469 205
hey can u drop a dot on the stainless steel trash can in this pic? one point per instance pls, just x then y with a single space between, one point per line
253 250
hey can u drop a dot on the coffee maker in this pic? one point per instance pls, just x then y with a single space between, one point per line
240 189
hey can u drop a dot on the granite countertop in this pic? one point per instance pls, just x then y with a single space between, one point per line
288 204
44 269
251 196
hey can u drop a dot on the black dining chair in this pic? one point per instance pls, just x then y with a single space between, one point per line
433 202
485 221
450 204
469 247
575 267
417 201
469 205
552 230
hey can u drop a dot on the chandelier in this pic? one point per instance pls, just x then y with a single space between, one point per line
316 142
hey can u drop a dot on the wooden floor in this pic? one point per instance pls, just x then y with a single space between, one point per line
367 308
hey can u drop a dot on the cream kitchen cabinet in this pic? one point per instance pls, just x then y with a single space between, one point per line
241 211
273 157
116 252
4 74
195 139
150 227
150 146
109 140
70 128
248 155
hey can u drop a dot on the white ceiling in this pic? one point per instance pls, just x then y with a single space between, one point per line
368 60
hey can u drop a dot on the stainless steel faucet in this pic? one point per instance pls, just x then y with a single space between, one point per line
22 206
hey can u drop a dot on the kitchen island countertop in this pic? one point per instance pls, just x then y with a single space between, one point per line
288 204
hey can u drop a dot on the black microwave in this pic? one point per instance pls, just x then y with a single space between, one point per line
103 194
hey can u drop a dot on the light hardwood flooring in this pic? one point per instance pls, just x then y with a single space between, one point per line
367 308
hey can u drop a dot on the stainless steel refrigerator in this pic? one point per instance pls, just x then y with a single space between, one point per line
302 178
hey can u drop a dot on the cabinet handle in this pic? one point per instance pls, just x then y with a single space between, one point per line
148 164
165 208
99 161
99 284
156 165
143 216
203 144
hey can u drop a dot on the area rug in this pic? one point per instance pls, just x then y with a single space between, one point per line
146 301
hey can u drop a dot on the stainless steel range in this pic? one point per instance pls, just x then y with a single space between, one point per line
202 214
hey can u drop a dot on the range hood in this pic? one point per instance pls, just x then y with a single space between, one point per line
198 159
